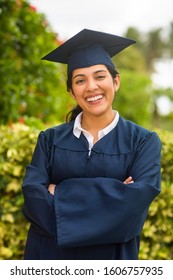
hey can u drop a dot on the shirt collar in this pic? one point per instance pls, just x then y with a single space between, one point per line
77 129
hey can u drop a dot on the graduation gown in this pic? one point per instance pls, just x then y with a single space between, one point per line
92 214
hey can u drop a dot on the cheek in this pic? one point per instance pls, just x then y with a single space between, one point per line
77 92
77 97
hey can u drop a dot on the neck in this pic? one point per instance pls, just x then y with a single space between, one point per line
94 124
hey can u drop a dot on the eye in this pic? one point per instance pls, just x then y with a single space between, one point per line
79 81
100 77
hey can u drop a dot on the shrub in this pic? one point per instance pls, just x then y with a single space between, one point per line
157 236
28 86
17 144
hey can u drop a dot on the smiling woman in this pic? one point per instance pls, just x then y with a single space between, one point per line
93 88
91 180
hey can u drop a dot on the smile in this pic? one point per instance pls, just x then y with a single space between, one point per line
94 98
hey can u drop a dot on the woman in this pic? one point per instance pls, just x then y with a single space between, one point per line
90 182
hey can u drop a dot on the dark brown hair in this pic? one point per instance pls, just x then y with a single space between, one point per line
77 109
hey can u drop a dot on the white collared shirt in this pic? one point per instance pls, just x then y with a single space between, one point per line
77 129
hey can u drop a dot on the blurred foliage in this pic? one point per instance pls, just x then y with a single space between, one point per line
131 59
133 99
17 144
28 87
157 234
170 43
163 120
155 44
167 155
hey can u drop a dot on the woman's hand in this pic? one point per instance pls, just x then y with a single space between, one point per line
51 188
129 180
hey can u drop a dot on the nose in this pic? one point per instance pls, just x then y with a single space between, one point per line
92 85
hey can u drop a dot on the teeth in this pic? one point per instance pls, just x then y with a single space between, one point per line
94 98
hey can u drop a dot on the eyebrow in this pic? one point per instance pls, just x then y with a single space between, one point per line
96 72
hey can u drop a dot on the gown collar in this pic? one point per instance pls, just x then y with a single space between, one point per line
77 129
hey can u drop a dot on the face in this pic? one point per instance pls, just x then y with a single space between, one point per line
93 88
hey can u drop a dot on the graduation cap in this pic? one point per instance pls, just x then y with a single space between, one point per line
88 48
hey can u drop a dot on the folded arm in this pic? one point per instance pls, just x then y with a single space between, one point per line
101 210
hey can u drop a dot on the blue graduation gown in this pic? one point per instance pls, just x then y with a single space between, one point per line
92 214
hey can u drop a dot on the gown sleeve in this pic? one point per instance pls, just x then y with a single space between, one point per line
38 202
91 211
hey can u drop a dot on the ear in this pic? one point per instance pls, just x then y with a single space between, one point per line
117 82
72 94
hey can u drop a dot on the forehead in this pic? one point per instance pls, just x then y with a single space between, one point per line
89 70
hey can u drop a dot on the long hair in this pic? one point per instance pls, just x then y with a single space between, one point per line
77 109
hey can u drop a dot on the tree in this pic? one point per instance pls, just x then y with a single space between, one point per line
170 41
154 47
135 34
131 59
28 86
134 99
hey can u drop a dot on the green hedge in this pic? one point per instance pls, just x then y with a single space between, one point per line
157 234
17 144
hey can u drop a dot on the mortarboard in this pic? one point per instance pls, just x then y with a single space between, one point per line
87 48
